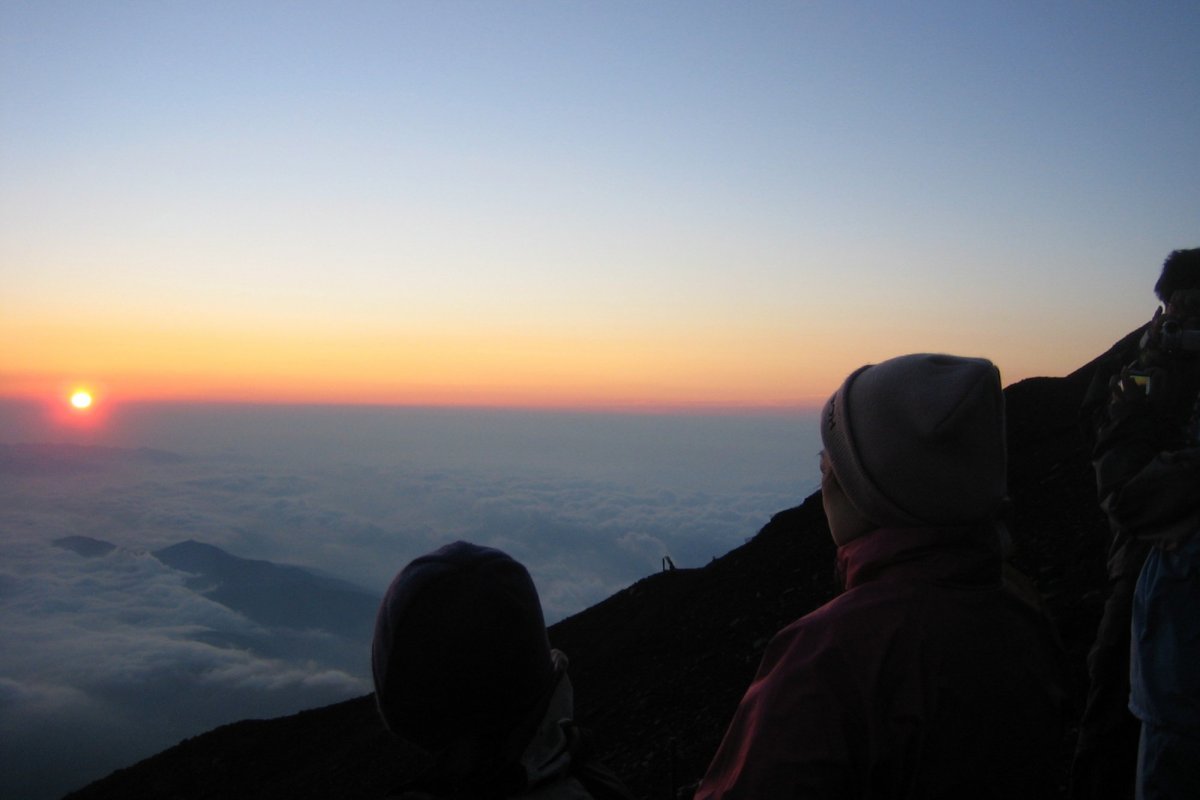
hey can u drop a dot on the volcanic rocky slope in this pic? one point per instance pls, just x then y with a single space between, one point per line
659 667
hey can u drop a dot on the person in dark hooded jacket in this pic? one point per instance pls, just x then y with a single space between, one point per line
926 678
464 671
1147 462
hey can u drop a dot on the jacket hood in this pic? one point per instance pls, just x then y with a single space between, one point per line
460 648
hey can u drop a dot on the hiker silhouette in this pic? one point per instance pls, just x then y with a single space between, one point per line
464 671
1146 429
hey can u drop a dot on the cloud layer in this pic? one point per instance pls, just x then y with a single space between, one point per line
112 657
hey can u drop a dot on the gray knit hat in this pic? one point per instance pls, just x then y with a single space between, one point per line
919 440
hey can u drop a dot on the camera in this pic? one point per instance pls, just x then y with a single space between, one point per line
1175 337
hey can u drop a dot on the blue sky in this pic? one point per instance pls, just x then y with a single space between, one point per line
670 199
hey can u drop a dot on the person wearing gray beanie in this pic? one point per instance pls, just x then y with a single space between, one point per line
464 672
919 440
926 677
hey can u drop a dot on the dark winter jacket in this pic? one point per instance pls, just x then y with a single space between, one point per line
925 679
1151 497
557 763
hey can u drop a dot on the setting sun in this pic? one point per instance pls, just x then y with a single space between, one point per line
81 399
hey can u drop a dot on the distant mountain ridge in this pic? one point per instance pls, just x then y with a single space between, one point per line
273 595
659 667
85 546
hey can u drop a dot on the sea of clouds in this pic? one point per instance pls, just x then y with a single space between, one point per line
110 658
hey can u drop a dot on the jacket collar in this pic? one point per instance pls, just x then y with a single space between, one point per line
956 555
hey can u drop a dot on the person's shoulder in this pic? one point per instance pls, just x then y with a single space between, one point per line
861 603
885 596
856 620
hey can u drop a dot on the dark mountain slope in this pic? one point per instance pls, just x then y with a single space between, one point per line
679 648
659 667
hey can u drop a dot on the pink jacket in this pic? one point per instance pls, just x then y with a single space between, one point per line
924 679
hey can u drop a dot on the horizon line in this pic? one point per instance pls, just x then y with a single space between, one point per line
649 408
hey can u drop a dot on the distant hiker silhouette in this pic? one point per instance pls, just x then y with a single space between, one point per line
1147 461
464 671
926 678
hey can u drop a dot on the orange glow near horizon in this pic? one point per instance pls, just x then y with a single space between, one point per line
298 390
666 369
651 371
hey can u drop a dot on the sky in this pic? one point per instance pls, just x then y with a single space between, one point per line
579 205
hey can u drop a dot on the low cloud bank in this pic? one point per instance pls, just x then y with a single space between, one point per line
111 655
110 658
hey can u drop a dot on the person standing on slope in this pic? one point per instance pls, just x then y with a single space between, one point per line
1147 462
926 678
